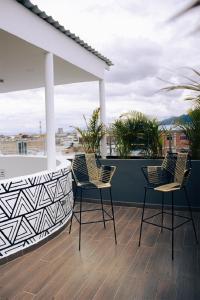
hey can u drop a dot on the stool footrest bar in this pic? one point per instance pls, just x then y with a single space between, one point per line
92 222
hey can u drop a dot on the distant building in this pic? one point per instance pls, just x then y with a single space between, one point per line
60 131
22 144
174 140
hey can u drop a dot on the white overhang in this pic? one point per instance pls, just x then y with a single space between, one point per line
24 40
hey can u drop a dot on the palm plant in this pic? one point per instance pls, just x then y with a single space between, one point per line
192 131
192 85
192 128
92 135
134 131
119 131
153 136
192 5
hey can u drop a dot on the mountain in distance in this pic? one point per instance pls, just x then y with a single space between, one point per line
172 120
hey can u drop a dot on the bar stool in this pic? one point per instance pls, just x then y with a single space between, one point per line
89 174
176 170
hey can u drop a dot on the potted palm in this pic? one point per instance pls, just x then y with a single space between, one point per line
192 128
135 131
92 134
131 131
192 131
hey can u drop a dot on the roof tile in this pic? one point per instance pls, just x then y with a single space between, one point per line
49 19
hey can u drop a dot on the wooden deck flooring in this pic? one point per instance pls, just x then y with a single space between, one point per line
105 271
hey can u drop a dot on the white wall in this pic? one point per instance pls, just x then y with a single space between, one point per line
15 166
44 196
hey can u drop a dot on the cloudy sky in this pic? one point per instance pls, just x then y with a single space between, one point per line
144 47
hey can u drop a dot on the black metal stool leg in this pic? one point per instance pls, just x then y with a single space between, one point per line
162 211
145 192
191 216
113 215
172 225
70 226
104 223
80 221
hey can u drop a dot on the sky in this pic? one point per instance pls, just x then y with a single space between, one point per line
146 48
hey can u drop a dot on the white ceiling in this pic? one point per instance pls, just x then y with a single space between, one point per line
22 66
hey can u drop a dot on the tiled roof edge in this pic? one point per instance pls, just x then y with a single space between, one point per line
56 24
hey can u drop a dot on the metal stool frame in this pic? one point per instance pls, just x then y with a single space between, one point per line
89 174
178 169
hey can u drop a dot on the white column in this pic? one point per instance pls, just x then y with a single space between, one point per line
103 146
50 116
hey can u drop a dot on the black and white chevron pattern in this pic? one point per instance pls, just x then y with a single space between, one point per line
33 208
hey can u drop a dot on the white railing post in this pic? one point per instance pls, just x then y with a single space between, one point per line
103 146
50 116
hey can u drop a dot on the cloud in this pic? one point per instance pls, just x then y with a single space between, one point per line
166 106
134 59
22 111
84 90
143 45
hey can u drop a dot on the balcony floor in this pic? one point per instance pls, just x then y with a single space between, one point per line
102 270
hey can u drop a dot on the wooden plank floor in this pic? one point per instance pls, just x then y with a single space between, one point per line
103 270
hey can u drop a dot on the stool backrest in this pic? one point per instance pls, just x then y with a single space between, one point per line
84 168
93 170
177 166
169 165
159 175
79 168
181 170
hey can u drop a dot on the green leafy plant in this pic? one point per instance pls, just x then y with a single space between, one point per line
192 128
193 85
192 131
134 131
92 135
154 139
119 130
